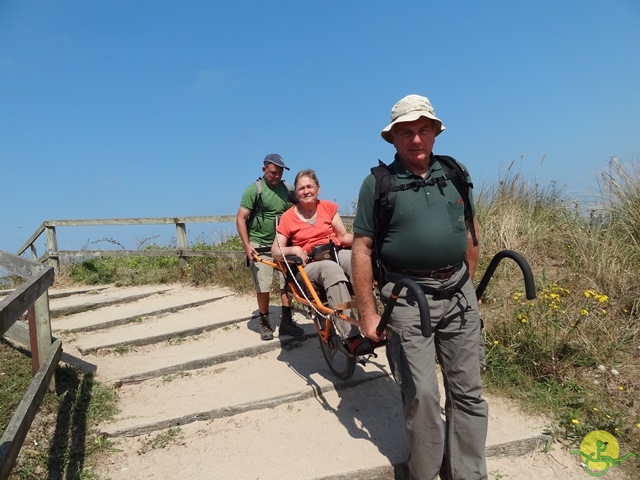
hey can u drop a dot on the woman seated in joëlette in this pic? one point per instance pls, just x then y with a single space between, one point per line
310 223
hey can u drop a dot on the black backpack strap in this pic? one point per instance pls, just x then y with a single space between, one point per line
383 206
291 195
456 173
385 200
257 204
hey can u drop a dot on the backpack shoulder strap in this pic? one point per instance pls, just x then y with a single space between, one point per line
459 176
384 196
257 203
383 206
291 196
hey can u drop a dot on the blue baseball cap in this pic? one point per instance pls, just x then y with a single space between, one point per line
276 160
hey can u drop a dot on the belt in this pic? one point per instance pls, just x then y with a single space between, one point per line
444 273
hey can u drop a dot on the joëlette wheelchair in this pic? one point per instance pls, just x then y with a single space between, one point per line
342 354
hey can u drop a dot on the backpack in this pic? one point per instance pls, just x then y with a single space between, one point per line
385 198
257 202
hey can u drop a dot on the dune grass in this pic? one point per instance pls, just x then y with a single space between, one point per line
573 353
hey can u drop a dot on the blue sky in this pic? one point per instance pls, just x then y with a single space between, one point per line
164 108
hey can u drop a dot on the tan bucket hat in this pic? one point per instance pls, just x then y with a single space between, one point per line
411 108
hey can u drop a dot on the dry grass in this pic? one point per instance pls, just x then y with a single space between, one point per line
573 352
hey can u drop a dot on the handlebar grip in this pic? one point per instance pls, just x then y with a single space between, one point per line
529 283
423 306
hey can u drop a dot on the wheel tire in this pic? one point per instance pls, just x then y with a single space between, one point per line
341 363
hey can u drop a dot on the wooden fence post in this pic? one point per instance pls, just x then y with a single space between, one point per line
52 248
181 236
42 324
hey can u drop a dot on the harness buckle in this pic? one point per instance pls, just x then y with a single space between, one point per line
446 294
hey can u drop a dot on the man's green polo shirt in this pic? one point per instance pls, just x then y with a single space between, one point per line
275 201
427 229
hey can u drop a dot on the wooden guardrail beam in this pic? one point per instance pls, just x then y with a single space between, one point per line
15 433
15 304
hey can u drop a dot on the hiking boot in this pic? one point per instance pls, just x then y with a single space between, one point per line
266 332
289 327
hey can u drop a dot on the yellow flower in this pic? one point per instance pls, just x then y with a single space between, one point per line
621 388
638 425
496 342
595 409
575 421
584 312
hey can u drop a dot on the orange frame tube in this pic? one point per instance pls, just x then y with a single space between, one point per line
317 303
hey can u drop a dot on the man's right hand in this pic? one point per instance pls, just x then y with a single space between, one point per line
368 324
251 253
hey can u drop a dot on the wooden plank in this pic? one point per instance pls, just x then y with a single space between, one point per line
42 324
140 221
523 446
33 340
126 320
18 427
401 471
73 309
19 333
16 265
151 253
14 305
31 240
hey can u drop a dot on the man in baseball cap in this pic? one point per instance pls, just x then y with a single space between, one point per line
276 160
262 201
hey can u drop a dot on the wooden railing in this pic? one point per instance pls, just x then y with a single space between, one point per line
53 254
30 296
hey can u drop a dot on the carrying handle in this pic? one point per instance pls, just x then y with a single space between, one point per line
425 317
413 287
529 283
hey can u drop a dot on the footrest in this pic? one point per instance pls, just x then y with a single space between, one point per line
359 345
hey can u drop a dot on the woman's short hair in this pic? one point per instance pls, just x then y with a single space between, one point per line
306 173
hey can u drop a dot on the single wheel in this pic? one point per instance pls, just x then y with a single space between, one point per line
341 363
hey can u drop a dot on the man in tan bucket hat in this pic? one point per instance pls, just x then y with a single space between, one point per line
411 108
429 234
